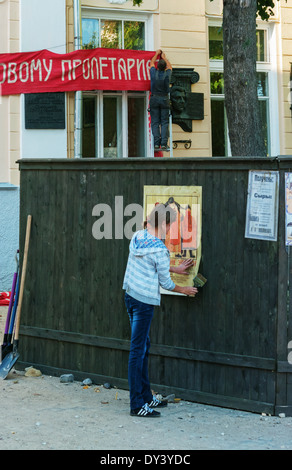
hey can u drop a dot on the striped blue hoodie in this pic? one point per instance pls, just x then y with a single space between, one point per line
147 268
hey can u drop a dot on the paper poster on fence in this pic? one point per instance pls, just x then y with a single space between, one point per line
288 208
184 237
262 205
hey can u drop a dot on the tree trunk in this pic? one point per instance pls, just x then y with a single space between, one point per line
240 80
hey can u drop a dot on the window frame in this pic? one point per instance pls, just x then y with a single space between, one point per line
269 66
103 14
125 15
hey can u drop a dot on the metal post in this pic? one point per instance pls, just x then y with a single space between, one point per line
78 94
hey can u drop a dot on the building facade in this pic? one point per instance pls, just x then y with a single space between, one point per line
113 124
9 153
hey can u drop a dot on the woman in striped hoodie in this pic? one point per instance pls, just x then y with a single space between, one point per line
147 270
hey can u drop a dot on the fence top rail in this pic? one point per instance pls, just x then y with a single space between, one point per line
188 163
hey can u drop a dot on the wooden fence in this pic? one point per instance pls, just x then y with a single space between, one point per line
226 347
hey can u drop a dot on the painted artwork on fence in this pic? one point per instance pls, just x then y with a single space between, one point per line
184 237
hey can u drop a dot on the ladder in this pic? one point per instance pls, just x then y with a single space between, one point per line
170 135
170 131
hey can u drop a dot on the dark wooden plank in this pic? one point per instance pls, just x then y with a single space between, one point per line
225 346
283 283
150 164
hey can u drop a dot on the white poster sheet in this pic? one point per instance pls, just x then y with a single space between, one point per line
262 205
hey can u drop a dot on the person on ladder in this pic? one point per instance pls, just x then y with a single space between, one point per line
159 100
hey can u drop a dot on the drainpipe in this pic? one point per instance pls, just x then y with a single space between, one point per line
78 94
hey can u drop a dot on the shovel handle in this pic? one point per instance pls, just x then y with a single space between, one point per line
23 274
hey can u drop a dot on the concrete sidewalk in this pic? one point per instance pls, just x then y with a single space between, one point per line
41 413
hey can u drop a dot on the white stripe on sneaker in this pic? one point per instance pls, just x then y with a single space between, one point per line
154 402
145 410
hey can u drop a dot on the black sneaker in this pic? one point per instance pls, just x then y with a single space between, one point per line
145 412
165 148
156 147
156 403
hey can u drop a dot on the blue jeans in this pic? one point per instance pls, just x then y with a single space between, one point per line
159 112
140 316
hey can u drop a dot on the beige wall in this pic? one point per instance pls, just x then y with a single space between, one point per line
286 56
183 32
214 8
181 29
4 101
283 20
70 96
10 105
147 5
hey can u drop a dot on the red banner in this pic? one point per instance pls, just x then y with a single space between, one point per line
89 69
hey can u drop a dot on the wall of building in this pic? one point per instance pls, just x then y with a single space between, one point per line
9 152
286 58
282 59
183 35
9 105
4 102
43 26
9 233
180 29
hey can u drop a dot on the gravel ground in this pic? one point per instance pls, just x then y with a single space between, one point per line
42 413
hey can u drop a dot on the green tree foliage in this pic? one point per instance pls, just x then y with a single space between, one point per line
245 123
265 7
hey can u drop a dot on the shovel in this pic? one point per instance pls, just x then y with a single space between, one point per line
7 344
11 358
5 339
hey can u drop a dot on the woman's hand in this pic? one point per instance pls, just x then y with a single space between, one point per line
183 267
186 290
189 290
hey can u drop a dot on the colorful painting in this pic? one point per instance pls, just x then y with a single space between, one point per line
184 237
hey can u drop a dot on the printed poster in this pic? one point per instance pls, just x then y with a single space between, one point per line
184 237
262 205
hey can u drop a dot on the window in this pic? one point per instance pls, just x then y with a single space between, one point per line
89 127
115 123
219 120
115 34
266 82
216 44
